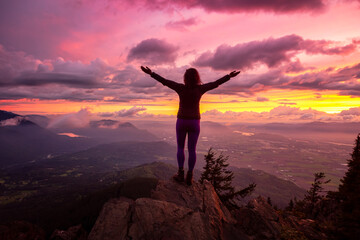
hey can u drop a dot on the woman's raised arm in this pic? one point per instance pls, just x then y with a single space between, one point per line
233 74
146 70
171 84
215 84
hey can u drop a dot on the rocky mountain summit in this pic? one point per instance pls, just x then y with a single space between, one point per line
173 211
176 211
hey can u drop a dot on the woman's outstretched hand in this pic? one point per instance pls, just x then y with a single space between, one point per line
146 70
234 74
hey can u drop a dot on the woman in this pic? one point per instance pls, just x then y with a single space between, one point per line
188 116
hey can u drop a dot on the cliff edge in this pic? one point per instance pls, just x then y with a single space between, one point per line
176 211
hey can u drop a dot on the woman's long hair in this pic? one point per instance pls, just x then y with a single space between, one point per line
192 77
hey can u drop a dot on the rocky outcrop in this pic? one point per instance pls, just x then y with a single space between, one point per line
174 211
259 220
114 220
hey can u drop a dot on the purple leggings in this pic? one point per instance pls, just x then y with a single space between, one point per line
192 128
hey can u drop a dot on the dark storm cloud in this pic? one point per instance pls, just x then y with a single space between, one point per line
153 51
271 52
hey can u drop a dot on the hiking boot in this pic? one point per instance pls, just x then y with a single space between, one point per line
179 177
189 178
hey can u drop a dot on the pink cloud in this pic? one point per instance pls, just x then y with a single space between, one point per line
294 66
351 111
182 24
280 113
271 52
23 76
343 80
286 110
76 74
124 112
13 63
273 6
232 6
79 119
21 69
262 99
153 51
324 47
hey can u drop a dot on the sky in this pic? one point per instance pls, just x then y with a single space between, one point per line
299 60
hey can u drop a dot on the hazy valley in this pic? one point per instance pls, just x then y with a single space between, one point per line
46 173
290 151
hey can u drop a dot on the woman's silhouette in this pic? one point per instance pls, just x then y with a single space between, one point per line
188 116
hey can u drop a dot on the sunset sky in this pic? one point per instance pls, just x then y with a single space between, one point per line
299 60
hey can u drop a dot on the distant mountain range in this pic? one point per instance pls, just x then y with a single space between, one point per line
40 120
108 131
343 132
22 140
7 115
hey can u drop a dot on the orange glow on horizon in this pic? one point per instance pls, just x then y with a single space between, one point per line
326 101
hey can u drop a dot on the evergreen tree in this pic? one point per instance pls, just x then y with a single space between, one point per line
349 194
216 172
351 180
313 195
305 208
290 207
